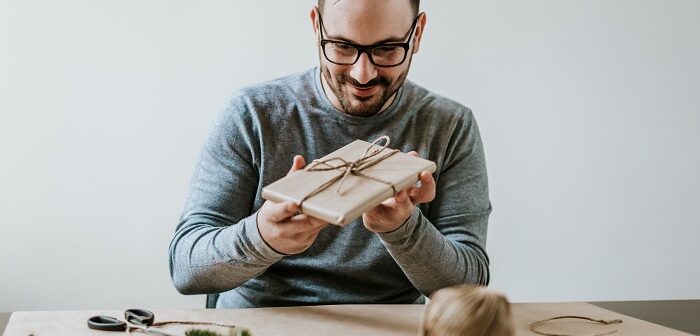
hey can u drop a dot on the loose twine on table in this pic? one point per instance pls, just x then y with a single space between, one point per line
145 329
606 322
533 325
356 167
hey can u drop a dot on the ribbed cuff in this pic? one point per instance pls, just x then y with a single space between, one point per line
257 243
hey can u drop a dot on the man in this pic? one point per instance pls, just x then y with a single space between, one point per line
260 253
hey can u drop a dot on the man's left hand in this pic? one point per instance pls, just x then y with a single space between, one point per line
394 212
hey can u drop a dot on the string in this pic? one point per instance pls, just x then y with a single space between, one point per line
356 167
606 322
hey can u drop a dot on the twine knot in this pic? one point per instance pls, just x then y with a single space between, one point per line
368 159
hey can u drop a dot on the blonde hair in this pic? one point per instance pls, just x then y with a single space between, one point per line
467 310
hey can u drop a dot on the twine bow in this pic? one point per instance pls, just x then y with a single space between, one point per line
369 159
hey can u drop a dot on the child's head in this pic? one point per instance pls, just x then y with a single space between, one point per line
467 311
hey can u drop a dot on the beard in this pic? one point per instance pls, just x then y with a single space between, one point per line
363 106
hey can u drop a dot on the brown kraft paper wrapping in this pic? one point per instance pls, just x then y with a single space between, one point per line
328 191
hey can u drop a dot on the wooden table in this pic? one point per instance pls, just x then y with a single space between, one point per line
333 320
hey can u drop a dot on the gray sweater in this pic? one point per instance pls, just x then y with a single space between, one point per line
217 247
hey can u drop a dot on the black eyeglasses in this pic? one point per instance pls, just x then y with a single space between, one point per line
386 55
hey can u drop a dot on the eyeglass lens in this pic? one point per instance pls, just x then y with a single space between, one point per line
341 53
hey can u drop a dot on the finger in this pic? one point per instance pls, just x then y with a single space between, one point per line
379 211
427 182
303 223
282 211
297 163
405 203
413 153
389 202
306 223
410 191
426 192
395 201
317 224
401 197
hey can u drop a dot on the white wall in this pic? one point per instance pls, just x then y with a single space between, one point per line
589 112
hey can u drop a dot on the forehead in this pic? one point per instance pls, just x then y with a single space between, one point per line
367 21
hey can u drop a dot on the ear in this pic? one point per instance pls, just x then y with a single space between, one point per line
420 28
314 20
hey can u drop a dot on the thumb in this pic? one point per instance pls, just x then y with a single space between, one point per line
282 211
297 163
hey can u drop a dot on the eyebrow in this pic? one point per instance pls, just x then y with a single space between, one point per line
386 40
392 39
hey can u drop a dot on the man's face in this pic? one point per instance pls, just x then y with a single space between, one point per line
364 89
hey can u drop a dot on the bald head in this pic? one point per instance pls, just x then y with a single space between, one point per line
415 5
367 21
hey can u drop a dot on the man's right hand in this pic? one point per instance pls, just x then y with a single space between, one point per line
284 230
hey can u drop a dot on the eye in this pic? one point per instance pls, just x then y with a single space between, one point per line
387 49
340 46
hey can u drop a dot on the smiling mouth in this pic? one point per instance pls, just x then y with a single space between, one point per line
364 91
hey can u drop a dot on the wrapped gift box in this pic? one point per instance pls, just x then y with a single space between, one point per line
342 185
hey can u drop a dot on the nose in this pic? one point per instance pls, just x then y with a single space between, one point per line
363 70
